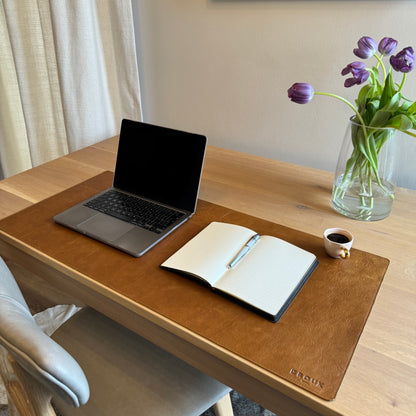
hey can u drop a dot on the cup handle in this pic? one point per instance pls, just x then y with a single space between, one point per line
345 253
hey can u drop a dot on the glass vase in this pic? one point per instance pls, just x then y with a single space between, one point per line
365 176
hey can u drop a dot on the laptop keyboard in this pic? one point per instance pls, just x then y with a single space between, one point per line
136 211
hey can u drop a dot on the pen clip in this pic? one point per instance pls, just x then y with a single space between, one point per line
244 250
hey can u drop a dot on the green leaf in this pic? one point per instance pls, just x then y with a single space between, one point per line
362 97
393 104
349 165
400 122
412 109
362 146
388 91
380 138
404 107
413 120
380 118
371 109
373 151
374 105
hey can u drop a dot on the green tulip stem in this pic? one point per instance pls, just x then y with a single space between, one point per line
367 145
403 81
380 62
349 104
409 133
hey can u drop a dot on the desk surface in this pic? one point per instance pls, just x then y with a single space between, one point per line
381 378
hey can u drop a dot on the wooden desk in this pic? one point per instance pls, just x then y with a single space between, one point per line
381 378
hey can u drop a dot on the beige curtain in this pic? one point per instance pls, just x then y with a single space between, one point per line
68 75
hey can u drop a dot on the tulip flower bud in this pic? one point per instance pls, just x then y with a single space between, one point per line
387 46
404 61
366 47
358 71
300 92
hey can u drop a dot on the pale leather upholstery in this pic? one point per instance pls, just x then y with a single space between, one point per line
131 376
37 353
127 374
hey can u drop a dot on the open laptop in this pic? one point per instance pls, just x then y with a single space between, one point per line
155 166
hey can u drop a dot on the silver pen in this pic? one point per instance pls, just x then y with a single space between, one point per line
250 243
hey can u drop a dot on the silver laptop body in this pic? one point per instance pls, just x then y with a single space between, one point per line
156 165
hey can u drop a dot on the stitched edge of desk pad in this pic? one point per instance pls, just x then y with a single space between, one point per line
312 344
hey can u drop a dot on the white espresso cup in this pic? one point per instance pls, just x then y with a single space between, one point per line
338 242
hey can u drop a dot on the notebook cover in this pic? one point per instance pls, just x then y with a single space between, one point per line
311 345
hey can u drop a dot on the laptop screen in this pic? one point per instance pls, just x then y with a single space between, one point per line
160 163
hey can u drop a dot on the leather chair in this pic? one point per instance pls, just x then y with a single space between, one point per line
93 366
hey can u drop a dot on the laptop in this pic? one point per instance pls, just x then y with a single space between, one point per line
155 189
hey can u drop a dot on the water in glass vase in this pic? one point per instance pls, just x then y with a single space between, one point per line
367 203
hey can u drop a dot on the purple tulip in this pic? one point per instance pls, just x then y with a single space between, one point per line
404 61
354 68
387 46
300 92
358 71
366 47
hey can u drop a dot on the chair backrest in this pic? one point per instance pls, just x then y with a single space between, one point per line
33 350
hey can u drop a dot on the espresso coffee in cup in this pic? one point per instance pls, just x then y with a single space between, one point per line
338 242
338 238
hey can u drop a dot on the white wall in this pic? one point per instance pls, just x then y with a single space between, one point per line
223 67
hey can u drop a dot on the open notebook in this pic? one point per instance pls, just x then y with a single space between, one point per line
263 273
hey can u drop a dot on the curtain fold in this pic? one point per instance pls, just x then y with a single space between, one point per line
68 76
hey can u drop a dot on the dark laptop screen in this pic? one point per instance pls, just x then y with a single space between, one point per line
159 163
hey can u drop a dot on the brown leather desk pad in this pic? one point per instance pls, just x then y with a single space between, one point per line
312 344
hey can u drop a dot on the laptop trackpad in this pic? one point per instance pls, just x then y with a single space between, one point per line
105 227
